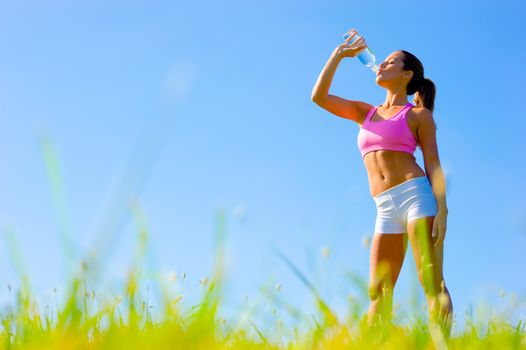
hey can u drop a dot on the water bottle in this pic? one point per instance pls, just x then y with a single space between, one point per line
366 56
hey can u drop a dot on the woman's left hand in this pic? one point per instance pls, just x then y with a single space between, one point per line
439 228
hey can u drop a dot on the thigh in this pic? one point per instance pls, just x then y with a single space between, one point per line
387 257
428 259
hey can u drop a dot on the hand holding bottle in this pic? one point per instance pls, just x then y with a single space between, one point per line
356 46
352 46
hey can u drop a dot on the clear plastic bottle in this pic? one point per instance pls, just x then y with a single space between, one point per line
365 56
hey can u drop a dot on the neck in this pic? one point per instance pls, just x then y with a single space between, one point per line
397 97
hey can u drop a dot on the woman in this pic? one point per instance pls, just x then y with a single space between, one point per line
410 203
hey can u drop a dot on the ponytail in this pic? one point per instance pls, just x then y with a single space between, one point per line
425 95
423 88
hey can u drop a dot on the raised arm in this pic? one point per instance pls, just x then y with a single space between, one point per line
353 110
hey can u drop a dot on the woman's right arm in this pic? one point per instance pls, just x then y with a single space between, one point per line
353 110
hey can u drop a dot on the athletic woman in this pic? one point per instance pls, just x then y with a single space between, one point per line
411 203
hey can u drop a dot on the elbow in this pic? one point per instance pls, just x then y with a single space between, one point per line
316 98
432 168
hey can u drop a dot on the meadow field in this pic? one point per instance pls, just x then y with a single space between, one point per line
90 319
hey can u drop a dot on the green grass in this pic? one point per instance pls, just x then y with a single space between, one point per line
90 320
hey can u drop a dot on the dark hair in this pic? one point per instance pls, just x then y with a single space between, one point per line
424 88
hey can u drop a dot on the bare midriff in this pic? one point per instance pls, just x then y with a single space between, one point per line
386 169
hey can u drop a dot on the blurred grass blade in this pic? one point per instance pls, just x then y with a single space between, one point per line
15 255
293 311
261 336
329 316
296 271
58 196
126 188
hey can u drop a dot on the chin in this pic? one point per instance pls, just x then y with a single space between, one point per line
380 82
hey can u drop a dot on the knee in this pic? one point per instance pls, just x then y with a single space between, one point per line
444 298
373 293
431 283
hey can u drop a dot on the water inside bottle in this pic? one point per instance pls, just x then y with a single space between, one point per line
368 59
365 56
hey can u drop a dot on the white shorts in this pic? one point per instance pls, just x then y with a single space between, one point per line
402 203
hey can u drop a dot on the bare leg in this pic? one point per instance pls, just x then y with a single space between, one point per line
444 298
387 257
429 267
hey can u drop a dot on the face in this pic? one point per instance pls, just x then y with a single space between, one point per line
391 71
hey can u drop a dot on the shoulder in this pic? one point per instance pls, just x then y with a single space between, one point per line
422 116
422 112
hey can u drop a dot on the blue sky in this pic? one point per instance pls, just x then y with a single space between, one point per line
193 108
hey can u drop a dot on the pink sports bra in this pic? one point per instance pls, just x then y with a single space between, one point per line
390 134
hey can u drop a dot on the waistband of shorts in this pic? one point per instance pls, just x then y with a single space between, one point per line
402 186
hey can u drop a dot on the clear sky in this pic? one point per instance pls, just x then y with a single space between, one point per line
193 108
